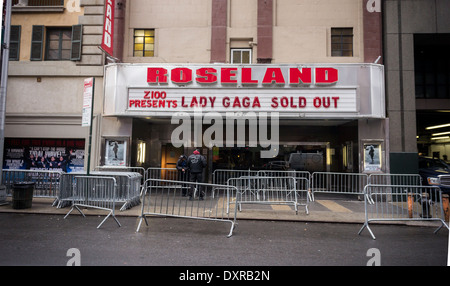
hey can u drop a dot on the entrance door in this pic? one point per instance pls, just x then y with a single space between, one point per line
169 158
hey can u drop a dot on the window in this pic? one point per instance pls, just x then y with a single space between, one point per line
432 65
77 36
37 43
14 43
342 42
63 43
241 56
144 43
58 44
39 3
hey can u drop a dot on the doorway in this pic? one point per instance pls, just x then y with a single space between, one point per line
169 158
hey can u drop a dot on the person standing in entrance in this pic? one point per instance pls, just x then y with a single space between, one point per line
183 173
196 163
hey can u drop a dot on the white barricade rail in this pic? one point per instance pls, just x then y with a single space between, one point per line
47 182
303 189
402 203
94 192
221 176
165 198
338 183
302 182
140 170
283 173
170 174
128 187
394 179
267 190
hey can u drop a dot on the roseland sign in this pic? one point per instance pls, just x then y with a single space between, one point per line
229 75
108 28
310 91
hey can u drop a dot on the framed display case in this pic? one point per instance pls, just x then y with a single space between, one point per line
116 151
373 156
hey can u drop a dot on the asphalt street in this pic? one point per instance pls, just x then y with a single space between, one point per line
50 240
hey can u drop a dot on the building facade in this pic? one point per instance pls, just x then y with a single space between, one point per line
416 41
53 48
252 83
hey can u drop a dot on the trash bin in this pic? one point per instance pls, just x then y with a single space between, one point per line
22 196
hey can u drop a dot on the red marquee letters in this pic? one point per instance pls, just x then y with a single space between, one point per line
230 76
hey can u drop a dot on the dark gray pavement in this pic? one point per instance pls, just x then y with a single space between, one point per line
40 236
30 239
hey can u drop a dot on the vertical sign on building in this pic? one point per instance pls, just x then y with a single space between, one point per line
87 101
108 28
88 107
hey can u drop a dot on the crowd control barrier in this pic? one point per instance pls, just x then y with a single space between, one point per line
269 190
338 183
140 170
165 198
221 176
303 180
281 173
128 187
94 192
395 179
162 173
402 203
47 182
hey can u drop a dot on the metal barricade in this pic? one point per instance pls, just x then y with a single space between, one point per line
303 179
47 182
402 203
128 187
268 190
282 173
221 176
140 170
395 179
338 183
94 192
170 174
165 198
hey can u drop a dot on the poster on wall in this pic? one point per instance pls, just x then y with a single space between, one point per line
372 157
65 155
116 152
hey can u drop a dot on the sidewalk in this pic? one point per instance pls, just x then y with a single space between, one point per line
325 210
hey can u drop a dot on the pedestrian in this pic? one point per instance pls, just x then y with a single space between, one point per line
52 163
183 173
196 163
62 164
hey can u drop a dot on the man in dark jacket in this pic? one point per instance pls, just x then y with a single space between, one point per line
196 163
183 173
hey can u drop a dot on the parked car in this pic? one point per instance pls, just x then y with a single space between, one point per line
435 172
276 165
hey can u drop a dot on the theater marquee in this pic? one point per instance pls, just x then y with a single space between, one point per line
310 91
